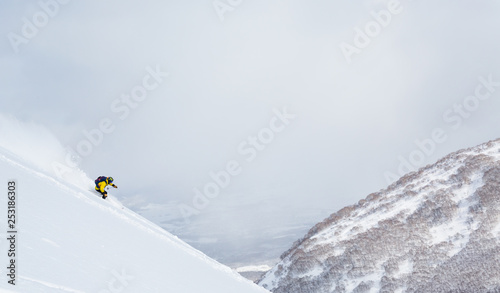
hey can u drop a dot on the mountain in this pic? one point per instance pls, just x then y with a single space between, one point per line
434 230
67 239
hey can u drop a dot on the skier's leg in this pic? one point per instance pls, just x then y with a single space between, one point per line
104 193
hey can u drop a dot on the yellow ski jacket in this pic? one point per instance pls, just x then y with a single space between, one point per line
101 185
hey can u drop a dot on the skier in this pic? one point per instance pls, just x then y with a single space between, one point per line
101 182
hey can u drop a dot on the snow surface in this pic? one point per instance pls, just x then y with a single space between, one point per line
260 268
458 226
433 230
71 240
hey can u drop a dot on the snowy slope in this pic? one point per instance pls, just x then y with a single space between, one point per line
70 240
435 230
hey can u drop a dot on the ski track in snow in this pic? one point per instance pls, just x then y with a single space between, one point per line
50 285
113 207
51 242
116 209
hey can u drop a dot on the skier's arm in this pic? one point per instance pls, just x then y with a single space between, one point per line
113 185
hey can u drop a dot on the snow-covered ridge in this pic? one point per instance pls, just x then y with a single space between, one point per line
433 230
261 268
71 240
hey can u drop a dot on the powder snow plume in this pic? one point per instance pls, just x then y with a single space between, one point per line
37 146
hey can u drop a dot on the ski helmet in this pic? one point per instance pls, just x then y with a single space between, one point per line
110 179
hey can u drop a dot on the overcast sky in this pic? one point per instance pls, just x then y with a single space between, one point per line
207 75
